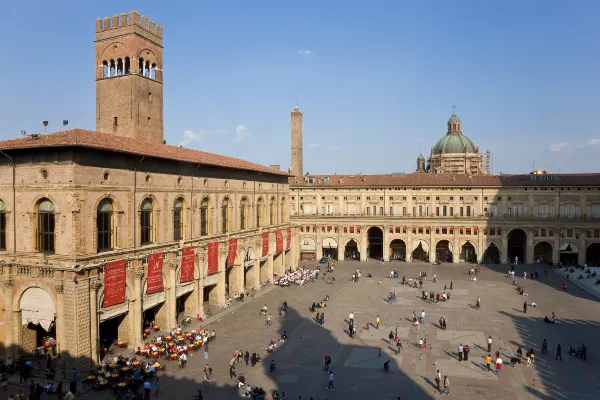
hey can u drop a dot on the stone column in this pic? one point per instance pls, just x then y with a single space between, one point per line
94 334
480 244
456 250
582 249
319 244
171 295
341 249
59 288
136 306
555 249
504 248
195 303
385 246
218 293
10 341
529 247
363 243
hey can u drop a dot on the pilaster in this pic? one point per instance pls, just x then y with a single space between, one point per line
556 248
363 242
504 248
385 246
94 334
136 306
529 249
582 248
10 341
218 292
171 295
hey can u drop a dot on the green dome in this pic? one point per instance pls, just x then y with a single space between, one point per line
454 143
454 118
420 158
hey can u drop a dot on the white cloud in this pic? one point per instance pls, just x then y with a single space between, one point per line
556 147
334 148
594 142
240 133
304 52
190 136
314 145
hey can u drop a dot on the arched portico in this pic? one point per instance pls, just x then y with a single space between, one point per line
37 311
517 245
468 252
542 252
330 248
568 253
397 250
443 251
308 249
592 254
375 242
352 250
492 253
420 250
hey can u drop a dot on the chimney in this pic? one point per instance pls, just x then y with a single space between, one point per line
275 166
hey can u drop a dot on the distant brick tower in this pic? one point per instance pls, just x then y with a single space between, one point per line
129 78
297 142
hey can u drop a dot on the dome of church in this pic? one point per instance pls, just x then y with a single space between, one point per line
454 141
420 158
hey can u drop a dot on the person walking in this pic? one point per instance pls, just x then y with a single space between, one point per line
438 381
460 352
446 385
489 344
330 385
425 343
377 320
207 372
423 316
525 308
478 303
146 390
444 326
247 357
450 285
157 387
498 365
466 350
327 363
488 362
545 347
351 318
558 352
232 370
398 347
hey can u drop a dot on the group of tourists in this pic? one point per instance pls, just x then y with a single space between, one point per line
299 277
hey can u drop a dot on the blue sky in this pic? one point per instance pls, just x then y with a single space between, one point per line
376 80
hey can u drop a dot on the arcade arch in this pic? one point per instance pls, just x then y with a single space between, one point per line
397 250
568 253
492 253
38 313
420 251
351 250
517 245
542 252
443 251
592 254
330 248
468 252
375 242
308 249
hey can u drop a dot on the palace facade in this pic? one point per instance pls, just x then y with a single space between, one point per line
103 231
450 210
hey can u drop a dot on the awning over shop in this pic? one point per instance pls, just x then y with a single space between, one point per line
37 308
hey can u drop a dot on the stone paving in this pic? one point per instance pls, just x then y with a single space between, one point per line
356 363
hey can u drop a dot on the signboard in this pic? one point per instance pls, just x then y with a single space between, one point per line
154 283
213 258
278 241
231 252
265 244
187 264
114 282
289 238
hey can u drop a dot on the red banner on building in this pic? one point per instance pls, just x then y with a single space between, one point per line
288 239
265 244
115 277
231 252
155 279
187 264
213 258
278 241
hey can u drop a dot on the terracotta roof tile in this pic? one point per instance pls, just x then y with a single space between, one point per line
109 142
450 180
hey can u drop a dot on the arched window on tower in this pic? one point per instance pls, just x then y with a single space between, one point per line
204 217
113 71
105 225
141 67
272 212
225 215
146 222
119 66
45 229
147 69
127 65
153 71
244 213
105 69
178 219
259 213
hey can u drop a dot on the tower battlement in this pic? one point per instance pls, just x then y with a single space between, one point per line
124 20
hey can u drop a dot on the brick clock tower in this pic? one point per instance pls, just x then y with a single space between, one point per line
129 77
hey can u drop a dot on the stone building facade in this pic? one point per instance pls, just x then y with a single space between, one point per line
452 217
104 231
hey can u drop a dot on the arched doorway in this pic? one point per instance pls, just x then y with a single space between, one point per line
397 250
37 318
468 253
592 254
375 243
542 253
308 249
517 243
492 254
568 253
249 267
443 251
420 251
330 248
351 251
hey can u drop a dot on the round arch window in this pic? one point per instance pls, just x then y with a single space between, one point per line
106 176
148 179
44 174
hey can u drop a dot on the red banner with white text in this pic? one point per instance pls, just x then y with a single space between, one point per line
187 264
213 257
115 277
289 238
265 244
278 241
154 283
231 252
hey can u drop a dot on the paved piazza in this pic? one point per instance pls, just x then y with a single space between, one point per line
356 365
